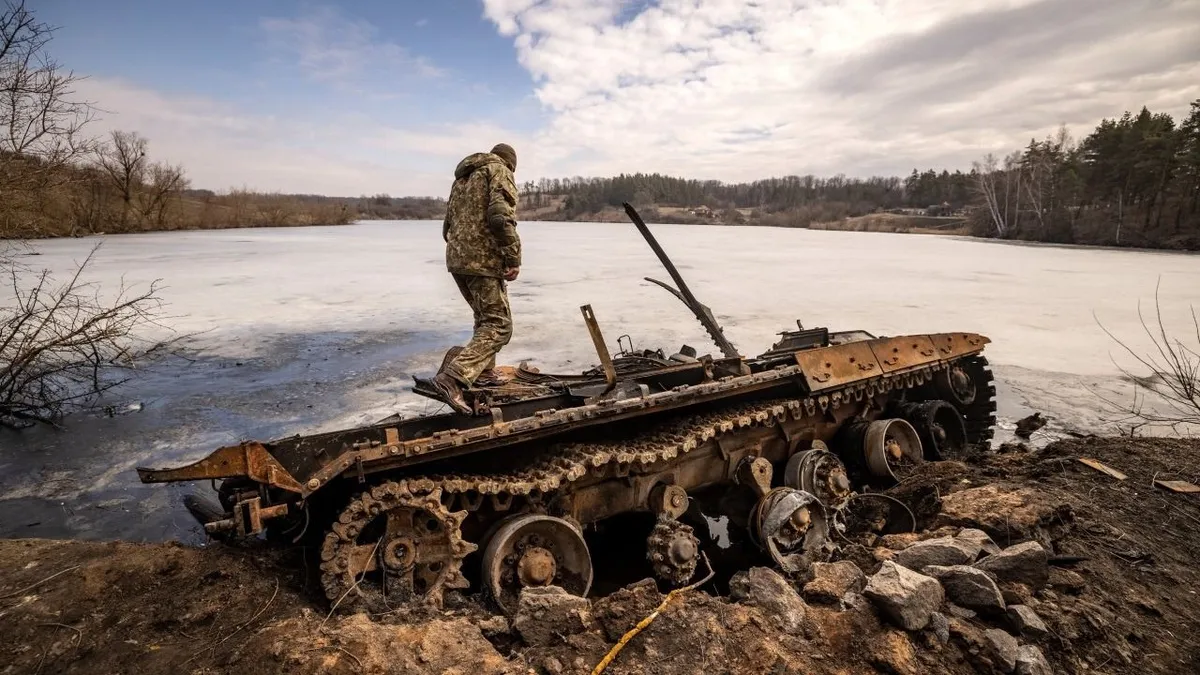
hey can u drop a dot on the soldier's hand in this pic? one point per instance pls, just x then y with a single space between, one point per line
511 273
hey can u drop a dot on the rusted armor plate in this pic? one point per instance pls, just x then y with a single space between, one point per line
831 367
950 345
901 353
247 459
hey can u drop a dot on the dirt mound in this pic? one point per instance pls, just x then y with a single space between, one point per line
1047 565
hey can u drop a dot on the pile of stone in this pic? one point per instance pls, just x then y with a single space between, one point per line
949 584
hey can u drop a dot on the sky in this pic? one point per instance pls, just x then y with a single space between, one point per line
386 96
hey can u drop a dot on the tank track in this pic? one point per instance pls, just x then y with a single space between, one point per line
569 462
979 415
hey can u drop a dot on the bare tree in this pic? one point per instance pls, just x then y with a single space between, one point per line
123 160
41 120
985 184
163 183
1173 377
62 346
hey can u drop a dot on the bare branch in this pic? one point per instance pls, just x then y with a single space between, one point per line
62 347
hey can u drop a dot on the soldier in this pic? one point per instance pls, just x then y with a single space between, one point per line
483 253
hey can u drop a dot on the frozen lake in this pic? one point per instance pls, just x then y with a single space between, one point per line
308 329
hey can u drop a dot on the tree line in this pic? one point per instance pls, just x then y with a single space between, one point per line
1133 181
56 179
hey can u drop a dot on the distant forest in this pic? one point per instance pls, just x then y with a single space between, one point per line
1133 181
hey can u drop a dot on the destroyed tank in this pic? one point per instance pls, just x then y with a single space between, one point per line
506 498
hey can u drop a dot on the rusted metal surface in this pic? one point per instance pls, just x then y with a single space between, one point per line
247 519
250 460
534 550
673 551
610 374
755 473
952 345
903 353
375 455
668 500
835 366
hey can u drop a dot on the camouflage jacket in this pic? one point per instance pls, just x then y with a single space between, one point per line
480 228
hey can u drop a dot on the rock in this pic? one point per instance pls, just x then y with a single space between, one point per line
979 538
1026 621
1005 514
360 644
1066 580
906 597
1016 593
893 653
943 551
880 554
1003 648
497 625
1025 563
1030 661
1027 425
856 601
552 666
940 625
899 541
960 612
545 614
772 593
832 581
619 612
969 587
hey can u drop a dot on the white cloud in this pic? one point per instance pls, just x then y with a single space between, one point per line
221 145
333 48
740 90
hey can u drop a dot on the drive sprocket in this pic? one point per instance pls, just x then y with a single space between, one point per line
673 551
391 545
971 387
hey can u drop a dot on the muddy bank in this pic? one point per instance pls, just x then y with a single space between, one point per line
1025 561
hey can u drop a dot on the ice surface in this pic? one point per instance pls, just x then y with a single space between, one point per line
307 329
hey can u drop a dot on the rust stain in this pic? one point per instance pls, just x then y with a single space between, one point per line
249 460
902 353
830 367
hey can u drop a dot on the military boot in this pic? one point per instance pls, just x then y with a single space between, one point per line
488 378
451 391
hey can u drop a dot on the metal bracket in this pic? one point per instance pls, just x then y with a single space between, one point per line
610 373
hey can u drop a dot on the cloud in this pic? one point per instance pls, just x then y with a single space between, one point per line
223 145
741 90
333 48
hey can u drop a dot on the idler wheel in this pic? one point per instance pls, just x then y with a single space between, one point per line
941 427
673 551
891 449
533 550
819 472
791 526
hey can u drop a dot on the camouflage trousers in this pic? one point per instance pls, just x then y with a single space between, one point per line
488 298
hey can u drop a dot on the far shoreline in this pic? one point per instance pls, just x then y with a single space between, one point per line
958 233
